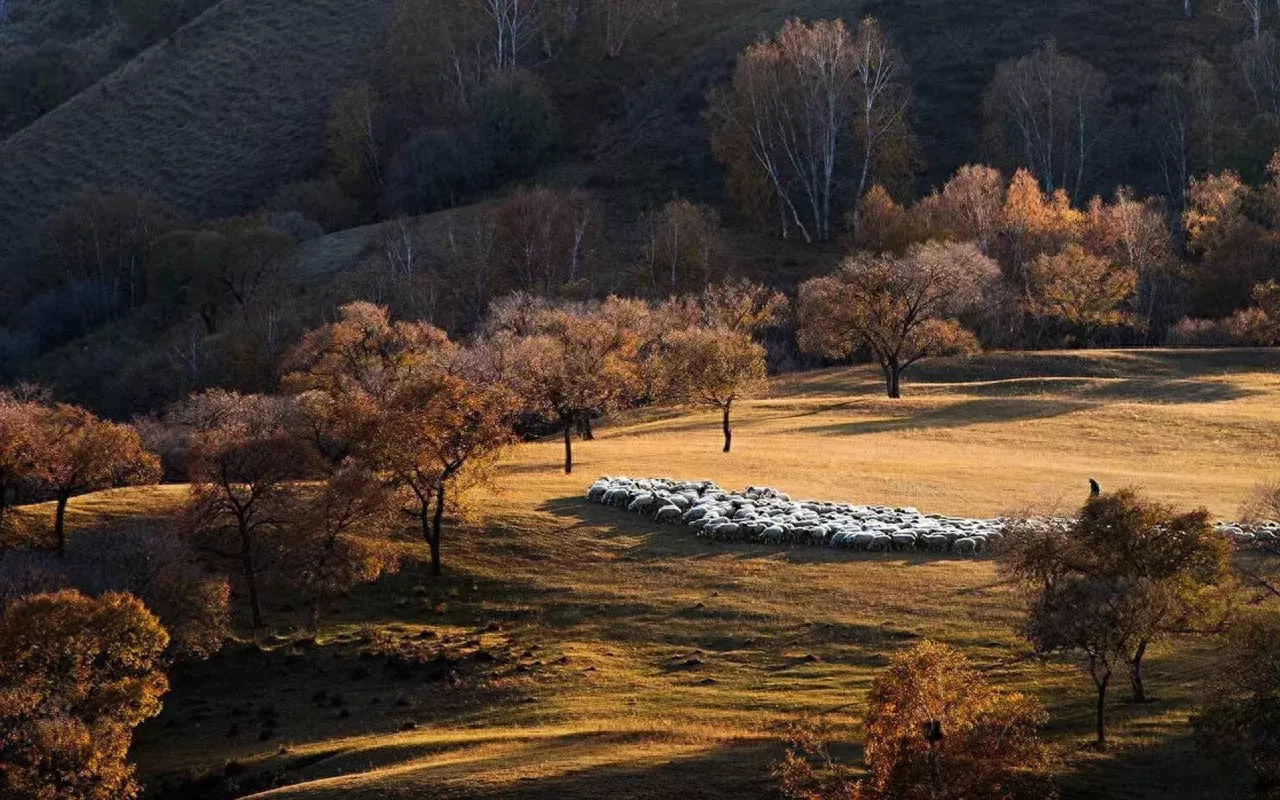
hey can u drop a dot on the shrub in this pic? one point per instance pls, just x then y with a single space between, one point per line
320 200
516 122
438 168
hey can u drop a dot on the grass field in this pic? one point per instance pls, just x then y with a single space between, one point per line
636 661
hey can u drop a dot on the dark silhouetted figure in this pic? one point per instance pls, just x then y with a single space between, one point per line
1094 488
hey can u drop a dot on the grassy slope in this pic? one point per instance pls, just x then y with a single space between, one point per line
211 120
780 632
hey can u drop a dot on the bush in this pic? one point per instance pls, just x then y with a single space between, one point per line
517 123
322 201
438 168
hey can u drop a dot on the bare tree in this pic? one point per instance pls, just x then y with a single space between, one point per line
1048 111
883 96
614 21
788 119
684 250
1250 10
514 24
1259 61
1169 112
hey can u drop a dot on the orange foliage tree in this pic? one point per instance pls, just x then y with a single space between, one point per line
935 730
81 453
900 309
77 675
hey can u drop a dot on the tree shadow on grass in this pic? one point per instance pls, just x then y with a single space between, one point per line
659 542
958 415
1171 768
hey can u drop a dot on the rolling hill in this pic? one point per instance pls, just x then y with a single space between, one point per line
211 120
637 661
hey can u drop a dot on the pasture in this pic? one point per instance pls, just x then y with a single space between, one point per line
599 654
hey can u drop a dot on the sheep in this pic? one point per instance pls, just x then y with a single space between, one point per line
862 540
766 515
668 513
936 542
880 542
903 541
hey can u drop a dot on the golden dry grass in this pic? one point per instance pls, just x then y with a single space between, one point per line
648 663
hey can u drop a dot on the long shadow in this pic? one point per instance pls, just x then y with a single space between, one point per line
1171 768
660 542
1146 390
958 415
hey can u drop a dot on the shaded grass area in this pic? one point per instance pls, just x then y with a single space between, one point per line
659 665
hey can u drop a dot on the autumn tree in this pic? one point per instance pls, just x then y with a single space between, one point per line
1048 111
1119 577
797 106
971 205
571 362
242 461
442 434
77 675
337 538
19 447
684 248
935 729
900 309
742 306
1079 290
81 453
397 402
884 226
714 368
1233 250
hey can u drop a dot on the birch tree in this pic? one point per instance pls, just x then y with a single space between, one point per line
796 111
1048 112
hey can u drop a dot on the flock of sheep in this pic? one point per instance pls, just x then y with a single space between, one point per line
760 514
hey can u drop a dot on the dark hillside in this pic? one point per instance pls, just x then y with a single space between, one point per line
214 119
211 120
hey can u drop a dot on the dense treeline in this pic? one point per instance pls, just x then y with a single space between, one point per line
815 129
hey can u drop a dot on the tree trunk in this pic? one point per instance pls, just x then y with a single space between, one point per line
313 613
728 431
59 524
568 447
435 530
893 379
250 579
1102 713
1135 674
